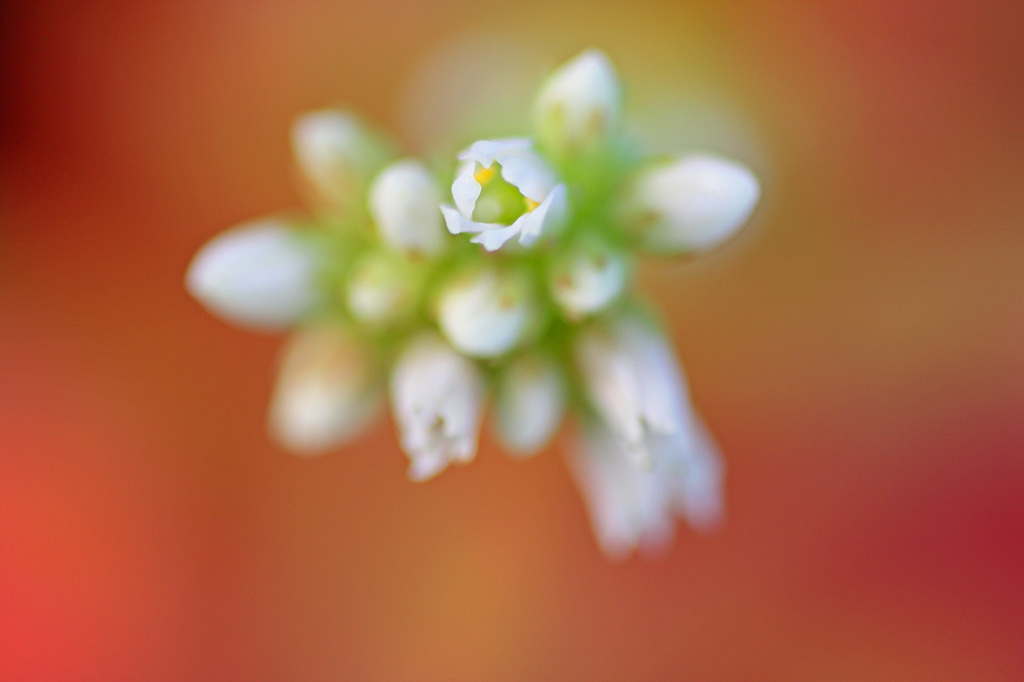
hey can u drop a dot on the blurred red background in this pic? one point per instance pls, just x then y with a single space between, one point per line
859 353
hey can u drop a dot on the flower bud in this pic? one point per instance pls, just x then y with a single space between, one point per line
437 399
404 202
382 288
259 275
587 278
694 203
326 390
487 311
530 403
580 104
337 155
632 380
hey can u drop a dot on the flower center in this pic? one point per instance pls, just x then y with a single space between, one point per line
499 201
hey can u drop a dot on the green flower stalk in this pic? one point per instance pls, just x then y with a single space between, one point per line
514 291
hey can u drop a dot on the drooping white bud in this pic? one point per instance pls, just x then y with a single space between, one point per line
529 405
382 288
698 485
260 275
337 155
404 202
693 204
327 390
632 507
488 310
587 278
437 399
629 507
632 379
580 104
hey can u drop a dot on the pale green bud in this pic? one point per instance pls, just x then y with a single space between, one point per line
579 107
337 155
382 288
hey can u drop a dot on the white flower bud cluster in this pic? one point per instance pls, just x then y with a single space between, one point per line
512 291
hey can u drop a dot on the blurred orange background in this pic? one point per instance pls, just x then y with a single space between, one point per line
858 351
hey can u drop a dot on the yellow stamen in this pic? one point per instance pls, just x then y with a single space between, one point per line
530 204
484 174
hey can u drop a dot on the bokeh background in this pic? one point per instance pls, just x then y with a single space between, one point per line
859 352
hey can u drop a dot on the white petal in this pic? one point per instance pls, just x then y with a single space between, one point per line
525 171
696 203
547 217
495 236
529 405
326 390
404 203
457 224
466 190
259 275
485 152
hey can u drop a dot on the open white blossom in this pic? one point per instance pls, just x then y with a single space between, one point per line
437 397
487 311
632 379
529 405
580 103
327 389
693 204
635 508
404 203
259 275
540 203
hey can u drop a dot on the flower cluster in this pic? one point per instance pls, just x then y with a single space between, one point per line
512 290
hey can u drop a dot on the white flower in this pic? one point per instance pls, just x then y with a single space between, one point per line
632 379
336 154
580 104
436 396
631 507
404 203
539 203
326 391
587 278
529 404
694 203
487 310
258 275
